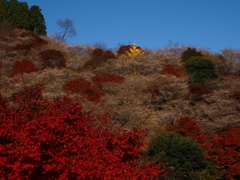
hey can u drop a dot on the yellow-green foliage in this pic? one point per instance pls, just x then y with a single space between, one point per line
134 50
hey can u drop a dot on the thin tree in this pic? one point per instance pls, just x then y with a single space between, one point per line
67 27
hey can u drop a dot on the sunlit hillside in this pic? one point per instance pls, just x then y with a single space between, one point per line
58 101
147 90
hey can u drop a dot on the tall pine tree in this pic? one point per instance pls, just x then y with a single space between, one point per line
4 13
21 16
37 22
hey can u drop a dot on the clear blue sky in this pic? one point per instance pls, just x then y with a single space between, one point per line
213 24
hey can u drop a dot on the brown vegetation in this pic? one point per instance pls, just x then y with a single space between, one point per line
150 90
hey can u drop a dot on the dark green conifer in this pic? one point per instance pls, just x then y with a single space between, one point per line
37 22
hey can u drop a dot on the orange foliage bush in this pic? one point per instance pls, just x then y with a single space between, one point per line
124 50
171 70
85 88
23 66
52 58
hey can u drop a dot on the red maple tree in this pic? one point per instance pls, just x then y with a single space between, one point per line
61 142
225 152
23 66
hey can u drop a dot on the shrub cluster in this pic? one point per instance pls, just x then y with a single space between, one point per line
190 52
201 69
52 58
171 70
98 57
222 149
182 155
102 78
197 92
61 142
23 66
85 88
129 50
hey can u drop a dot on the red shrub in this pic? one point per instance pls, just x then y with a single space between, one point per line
225 152
63 143
197 92
84 87
169 69
3 104
23 66
30 98
52 58
189 128
101 78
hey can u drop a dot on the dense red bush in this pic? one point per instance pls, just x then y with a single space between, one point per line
196 92
23 66
189 128
124 50
225 152
102 78
171 70
63 143
85 88
52 58
223 149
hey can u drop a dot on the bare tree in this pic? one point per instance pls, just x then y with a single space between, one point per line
67 28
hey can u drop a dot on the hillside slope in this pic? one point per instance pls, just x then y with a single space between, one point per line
148 90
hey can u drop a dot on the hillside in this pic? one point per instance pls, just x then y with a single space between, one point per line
85 112
148 90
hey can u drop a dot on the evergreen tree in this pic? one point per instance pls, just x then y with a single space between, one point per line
37 22
4 14
19 15
183 156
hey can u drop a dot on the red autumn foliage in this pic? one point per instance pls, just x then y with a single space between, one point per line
171 70
225 152
189 128
102 78
85 88
223 149
23 66
196 92
52 58
124 49
61 142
